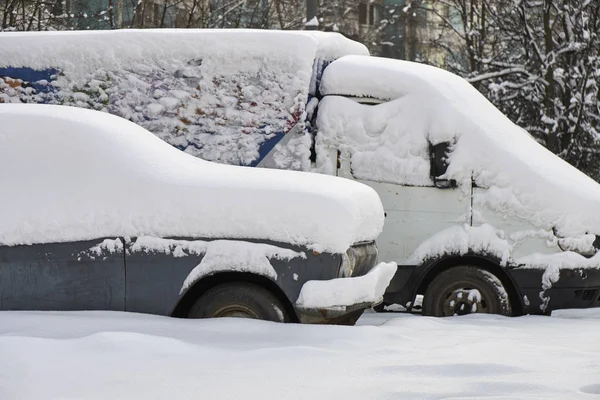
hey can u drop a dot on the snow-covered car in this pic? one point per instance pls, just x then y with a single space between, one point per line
480 217
97 213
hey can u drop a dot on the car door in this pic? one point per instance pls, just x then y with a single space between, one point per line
413 214
156 271
82 275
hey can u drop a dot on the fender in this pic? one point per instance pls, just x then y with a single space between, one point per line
410 280
189 295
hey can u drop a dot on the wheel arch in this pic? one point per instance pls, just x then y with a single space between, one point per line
187 300
490 264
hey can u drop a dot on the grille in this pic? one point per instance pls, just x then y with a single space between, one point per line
588 294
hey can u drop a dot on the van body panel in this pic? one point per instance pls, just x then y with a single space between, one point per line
525 238
576 288
413 213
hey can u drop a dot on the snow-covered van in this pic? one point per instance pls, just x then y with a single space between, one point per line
97 213
479 216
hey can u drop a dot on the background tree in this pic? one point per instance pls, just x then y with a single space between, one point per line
537 61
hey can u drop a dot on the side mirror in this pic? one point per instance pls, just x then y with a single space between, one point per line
438 156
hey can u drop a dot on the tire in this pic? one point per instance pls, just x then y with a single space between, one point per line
465 290
239 300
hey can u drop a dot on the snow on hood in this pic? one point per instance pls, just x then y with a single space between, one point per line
429 105
203 91
76 174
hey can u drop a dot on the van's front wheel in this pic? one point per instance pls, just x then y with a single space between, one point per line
239 300
465 290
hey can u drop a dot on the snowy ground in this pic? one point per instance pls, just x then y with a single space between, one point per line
102 355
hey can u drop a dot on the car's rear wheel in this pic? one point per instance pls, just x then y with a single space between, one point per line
465 290
239 300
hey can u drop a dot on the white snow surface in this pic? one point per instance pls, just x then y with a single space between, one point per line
428 105
104 355
216 94
562 260
107 245
77 174
342 292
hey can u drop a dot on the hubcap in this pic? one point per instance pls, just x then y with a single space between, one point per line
235 311
464 301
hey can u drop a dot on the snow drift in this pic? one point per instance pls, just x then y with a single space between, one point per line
109 355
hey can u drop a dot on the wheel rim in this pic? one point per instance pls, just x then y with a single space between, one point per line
463 301
235 311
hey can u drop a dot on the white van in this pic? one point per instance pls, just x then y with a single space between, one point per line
479 216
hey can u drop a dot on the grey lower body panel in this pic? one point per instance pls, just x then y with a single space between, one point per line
575 288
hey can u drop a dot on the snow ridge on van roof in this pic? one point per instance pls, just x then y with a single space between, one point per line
238 49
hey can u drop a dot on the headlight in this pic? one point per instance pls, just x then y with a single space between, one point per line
347 267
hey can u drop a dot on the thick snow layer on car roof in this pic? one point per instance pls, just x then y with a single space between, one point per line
87 50
221 95
76 174
331 46
429 105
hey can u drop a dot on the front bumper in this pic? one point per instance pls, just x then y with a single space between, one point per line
342 300
575 288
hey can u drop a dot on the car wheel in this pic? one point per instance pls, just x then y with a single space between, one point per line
239 300
465 290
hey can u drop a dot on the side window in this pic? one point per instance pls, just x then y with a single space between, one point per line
439 165
374 140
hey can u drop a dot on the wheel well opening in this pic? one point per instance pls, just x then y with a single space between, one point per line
483 263
184 305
